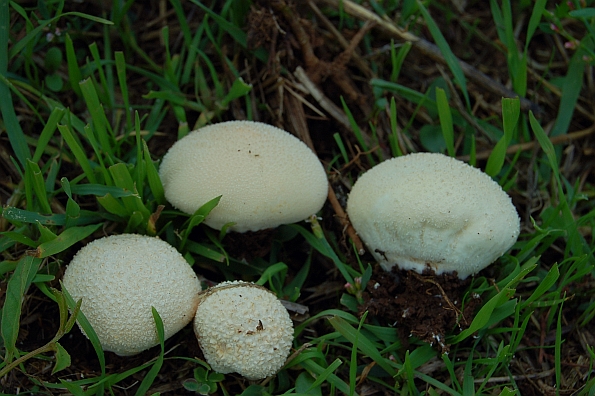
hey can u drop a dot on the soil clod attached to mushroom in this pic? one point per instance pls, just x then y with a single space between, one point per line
426 306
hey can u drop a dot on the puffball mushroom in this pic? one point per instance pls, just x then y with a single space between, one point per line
266 176
120 277
243 328
429 210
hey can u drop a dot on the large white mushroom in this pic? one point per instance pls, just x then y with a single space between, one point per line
266 176
243 328
120 277
430 211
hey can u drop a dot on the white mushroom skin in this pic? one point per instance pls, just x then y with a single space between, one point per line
120 278
266 176
243 328
430 211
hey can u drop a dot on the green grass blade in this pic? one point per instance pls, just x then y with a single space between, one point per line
18 47
153 177
327 374
449 56
100 122
558 347
87 328
571 88
322 376
445 120
341 146
105 90
394 136
152 374
11 311
34 177
484 315
74 71
536 15
78 152
66 239
363 343
547 282
319 242
47 133
13 127
121 72
511 110
357 131
397 59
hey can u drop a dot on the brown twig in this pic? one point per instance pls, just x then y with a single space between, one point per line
319 96
344 221
432 51
566 138
359 61
298 124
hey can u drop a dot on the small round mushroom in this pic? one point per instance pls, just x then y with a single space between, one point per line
120 277
430 211
243 328
266 176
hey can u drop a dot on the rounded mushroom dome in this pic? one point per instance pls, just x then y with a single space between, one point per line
429 210
120 277
266 176
243 328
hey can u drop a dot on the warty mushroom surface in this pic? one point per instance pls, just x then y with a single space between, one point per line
120 277
430 211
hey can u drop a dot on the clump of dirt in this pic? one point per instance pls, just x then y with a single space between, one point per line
426 305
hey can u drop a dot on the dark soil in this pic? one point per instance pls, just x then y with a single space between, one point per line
426 306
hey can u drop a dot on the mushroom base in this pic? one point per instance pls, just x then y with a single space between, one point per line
426 306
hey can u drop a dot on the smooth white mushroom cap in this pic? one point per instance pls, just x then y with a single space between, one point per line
120 278
243 328
265 175
429 210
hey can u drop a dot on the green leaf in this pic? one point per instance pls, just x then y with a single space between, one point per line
543 286
238 89
588 12
62 358
484 315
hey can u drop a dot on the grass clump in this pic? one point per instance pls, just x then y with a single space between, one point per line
92 95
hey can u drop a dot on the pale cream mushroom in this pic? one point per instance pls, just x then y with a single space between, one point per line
120 277
430 211
266 176
243 328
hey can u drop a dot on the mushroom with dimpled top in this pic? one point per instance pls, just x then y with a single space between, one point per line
243 328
